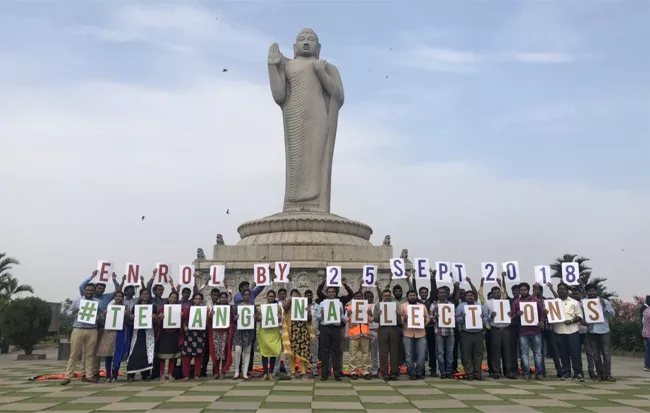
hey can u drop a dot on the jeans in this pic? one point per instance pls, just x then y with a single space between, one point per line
431 344
268 363
646 345
601 350
569 348
445 349
525 344
549 346
590 356
415 351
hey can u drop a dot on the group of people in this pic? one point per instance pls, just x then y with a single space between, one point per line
297 347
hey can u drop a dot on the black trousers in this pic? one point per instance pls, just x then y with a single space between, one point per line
204 365
431 344
458 338
472 353
514 349
551 348
402 352
389 338
570 353
489 353
330 346
499 350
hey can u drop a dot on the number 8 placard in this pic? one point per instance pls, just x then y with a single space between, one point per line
570 273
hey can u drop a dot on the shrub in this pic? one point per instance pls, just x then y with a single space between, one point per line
25 321
625 325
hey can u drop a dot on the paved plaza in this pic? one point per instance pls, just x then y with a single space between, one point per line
630 394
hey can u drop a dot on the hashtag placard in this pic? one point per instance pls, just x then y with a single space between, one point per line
87 312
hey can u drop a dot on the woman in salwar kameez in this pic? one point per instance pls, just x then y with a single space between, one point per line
220 340
269 339
193 342
142 344
107 345
169 340
297 337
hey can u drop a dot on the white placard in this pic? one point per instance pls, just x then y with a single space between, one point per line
186 275
415 316
502 308
443 272
143 316
570 273
262 274
359 312
198 317
333 274
331 312
593 310
555 310
282 270
132 272
446 315
172 316
530 316
388 316
114 317
221 316
104 271
542 274
421 268
87 311
490 272
369 275
397 268
473 317
269 313
217 275
511 268
245 319
299 308
459 271
162 273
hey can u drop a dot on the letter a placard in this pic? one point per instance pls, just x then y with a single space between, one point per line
221 316
331 312
269 314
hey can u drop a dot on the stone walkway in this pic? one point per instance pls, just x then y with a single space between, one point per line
630 394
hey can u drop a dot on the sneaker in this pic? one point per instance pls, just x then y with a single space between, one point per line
580 378
646 369
338 378
354 377
367 377
412 378
565 377
65 382
386 378
611 379
419 377
323 378
434 374
593 376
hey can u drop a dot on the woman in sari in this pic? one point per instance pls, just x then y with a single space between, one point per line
193 342
142 344
269 339
297 337
168 340
243 340
220 340
106 346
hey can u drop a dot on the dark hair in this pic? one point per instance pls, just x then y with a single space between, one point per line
562 285
144 290
295 290
158 285
282 290
514 286
308 292
646 306
495 288
423 288
197 295
411 291
173 293
118 292
525 285
186 289
223 293
89 285
591 286
397 287
328 288
271 292
389 292
446 287
541 288
243 284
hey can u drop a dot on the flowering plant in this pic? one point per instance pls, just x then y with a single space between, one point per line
625 325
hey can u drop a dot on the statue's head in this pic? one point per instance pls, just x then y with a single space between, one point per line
307 44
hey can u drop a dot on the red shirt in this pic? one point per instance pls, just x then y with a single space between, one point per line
529 330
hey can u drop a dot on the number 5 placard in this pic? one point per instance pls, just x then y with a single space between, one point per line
369 275
333 275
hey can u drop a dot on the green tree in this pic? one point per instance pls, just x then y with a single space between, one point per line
25 321
65 328
584 273
9 286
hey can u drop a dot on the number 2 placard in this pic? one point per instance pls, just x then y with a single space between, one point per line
489 271
333 275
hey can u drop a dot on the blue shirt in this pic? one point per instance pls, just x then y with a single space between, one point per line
105 298
78 324
460 317
239 297
601 328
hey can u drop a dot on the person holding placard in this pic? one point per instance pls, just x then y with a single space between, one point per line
389 337
330 317
566 334
645 332
445 336
220 339
549 346
269 339
415 317
578 293
374 335
243 340
314 307
598 336
167 340
359 336
193 341
252 296
282 296
297 338
106 345
142 343
84 336
528 309
157 290
427 297
472 318
499 332
344 300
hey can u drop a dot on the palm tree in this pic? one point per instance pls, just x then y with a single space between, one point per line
584 272
9 286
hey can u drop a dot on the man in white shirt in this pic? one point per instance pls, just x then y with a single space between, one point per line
499 339
566 334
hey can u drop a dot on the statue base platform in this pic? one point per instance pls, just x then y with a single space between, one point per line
310 241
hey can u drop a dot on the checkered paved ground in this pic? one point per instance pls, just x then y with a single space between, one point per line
630 394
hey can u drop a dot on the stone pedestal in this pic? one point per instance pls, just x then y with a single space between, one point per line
310 241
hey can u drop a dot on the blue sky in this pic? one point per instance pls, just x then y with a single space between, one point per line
537 112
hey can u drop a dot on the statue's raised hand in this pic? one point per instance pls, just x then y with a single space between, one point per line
320 64
275 57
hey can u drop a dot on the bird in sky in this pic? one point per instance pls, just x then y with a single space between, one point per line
224 70
228 211
143 217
